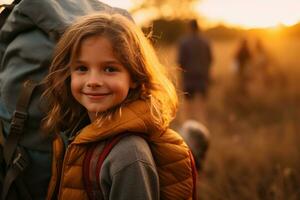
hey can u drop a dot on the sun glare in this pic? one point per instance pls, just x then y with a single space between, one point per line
250 14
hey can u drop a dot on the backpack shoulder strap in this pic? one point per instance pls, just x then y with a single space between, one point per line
18 121
92 187
15 157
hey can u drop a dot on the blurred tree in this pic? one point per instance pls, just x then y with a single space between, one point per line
167 8
167 31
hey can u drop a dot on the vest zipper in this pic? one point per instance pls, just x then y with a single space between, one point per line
53 194
63 169
59 175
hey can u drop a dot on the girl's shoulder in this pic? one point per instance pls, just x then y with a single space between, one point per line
129 171
130 150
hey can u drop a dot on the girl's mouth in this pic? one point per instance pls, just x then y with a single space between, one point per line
96 96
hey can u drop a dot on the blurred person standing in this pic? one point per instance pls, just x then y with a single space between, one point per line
262 63
242 59
195 58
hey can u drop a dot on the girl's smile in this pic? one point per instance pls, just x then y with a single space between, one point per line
96 96
98 79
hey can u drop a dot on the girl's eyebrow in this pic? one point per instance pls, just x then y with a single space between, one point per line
109 62
79 62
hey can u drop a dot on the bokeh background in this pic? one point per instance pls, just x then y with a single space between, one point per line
255 144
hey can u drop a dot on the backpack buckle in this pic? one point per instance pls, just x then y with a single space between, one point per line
20 115
18 120
20 161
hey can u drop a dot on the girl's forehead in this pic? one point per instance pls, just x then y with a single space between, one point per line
100 44
105 40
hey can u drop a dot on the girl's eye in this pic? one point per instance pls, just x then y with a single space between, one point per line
81 68
110 69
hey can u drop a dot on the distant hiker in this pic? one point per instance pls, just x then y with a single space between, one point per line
195 59
242 60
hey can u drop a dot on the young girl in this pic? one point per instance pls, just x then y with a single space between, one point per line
105 80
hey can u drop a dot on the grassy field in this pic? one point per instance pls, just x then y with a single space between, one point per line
255 144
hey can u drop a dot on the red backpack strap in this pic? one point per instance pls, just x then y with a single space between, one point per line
92 187
88 184
194 173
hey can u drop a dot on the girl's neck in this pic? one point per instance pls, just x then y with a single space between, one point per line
92 116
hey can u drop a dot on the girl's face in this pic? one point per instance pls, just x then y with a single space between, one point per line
98 79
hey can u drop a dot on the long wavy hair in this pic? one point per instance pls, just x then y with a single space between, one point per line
132 49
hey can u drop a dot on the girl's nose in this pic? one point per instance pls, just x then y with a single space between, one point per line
94 80
93 85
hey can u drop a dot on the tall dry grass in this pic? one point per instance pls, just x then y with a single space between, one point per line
255 144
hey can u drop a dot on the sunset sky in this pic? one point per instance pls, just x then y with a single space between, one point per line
244 13
252 13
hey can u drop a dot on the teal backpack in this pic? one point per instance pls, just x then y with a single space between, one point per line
29 30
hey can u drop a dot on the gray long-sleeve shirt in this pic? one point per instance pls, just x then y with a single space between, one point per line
129 171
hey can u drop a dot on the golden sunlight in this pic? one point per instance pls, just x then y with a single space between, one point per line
250 13
243 13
